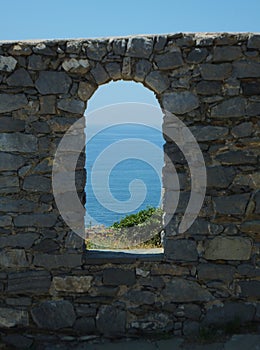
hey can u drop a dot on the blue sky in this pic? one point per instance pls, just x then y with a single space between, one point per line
48 19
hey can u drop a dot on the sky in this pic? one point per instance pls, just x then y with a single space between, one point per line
54 19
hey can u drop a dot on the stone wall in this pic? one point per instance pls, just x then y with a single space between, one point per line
207 275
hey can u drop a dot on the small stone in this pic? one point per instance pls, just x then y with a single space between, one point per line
47 105
9 102
231 205
18 142
157 81
111 321
35 220
119 46
10 162
140 297
16 205
181 250
13 317
17 341
9 124
236 158
15 258
209 133
211 71
126 68
250 289
43 49
226 53
180 102
73 47
228 248
253 109
54 314
20 78
86 90
29 282
219 176
5 220
85 325
114 70
7 63
242 130
139 47
142 68
55 261
169 60
20 50
205 87
96 50
71 105
72 284
73 65
191 328
246 69
252 226
251 87
38 63
53 83
9 184
37 183
233 107
19 240
100 75
207 272
254 41
117 276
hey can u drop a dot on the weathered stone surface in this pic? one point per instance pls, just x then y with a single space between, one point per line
219 176
46 245
13 258
111 321
9 124
197 55
181 249
29 282
233 107
157 81
10 161
74 65
48 104
117 276
20 50
254 41
16 205
205 87
252 226
18 142
231 205
119 46
20 78
207 272
19 240
96 50
208 133
228 248
142 68
181 290
100 74
246 69
9 103
72 106
85 325
13 317
43 49
72 284
169 60
85 90
226 53
216 71
5 220
249 180
139 47
53 83
229 312
242 130
192 311
55 261
250 289
9 184
180 102
35 220
236 157
54 314
140 297
7 63
253 109
37 62
114 70
169 269
251 87
37 183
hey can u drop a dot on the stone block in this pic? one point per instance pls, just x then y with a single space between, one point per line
18 341
18 240
242 130
9 124
20 78
72 106
140 297
254 41
96 50
9 102
157 81
9 184
219 176
54 315
53 83
10 161
197 55
85 90
142 68
233 107
231 205
228 248
208 272
7 63
169 60
226 53
117 276
253 109
13 258
5 220
47 104
35 220
37 62
16 205
13 317
100 74
111 321
18 142
180 102
238 157
139 47
29 282
114 70
251 87
181 250
209 133
85 325
246 69
37 183
206 87
211 71
72 284
250 289
56 261
252 226
78 66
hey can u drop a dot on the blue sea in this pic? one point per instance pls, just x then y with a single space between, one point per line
116 157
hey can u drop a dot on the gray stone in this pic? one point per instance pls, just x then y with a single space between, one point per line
233 107
251 87
72 284
253 109
242 130
236 158
18 341
10 161
142 68
37 62
119 46
207 272
219 176
53 83
248 270
229 312
9 103
205 87
5 220
157 81
252 226
18 142
228 248
9 124
192 311
54 315
169 60
7 63
85 325
243 341
86 90
29 282
35 220
139 47
79 66
117 276
111 321
254 41
247 180
211 71
181 250
96 50
47 105
180 102
209 133
46 246
226 53
72 106
43 49
231 205
140 297
19 240
13 258
20 78
250 289
114 70
16 205
37 183
13 317
9 184
197 55
100 75
246 69
55 261
181 290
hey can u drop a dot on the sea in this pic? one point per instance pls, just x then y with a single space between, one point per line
124 165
